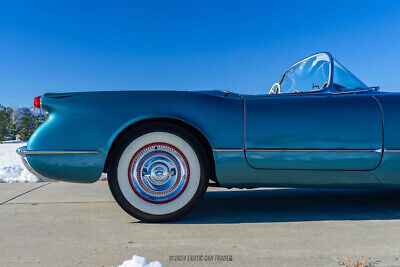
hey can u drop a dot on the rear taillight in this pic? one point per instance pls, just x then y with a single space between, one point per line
38 102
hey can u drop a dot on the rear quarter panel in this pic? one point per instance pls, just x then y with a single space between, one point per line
92 121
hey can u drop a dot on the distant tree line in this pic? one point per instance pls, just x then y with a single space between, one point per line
15 124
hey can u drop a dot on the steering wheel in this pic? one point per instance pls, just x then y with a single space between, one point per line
275 89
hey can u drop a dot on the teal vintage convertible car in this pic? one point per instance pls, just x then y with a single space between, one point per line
319 126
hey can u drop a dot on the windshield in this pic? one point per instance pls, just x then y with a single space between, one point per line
310 74
315 73
344 79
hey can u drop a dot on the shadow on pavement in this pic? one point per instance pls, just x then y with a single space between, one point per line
294 205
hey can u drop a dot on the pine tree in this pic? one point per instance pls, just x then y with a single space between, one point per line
27 125
7 126
2 123
12 128
24 125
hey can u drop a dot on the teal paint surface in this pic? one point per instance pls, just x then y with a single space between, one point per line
92 121
233 171
314 121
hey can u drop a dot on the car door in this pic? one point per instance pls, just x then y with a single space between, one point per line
313 131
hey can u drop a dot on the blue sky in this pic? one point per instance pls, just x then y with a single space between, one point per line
242 46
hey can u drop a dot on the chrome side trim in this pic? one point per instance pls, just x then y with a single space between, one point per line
228 150
23 151
315 150
305 150
392 150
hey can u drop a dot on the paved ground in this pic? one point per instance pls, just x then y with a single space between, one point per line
56 224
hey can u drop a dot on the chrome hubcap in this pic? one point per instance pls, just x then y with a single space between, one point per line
158 173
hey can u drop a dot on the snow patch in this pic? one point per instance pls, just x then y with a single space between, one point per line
13 171
11 167
138 261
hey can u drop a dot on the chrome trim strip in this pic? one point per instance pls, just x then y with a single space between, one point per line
228 150
315 150
392 150
304 150
23 151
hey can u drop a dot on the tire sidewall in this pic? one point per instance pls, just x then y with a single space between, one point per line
193 193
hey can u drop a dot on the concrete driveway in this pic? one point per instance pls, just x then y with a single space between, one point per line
61 224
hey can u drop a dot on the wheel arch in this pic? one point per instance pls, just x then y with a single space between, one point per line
195 131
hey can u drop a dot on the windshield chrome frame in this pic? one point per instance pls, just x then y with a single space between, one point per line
329 87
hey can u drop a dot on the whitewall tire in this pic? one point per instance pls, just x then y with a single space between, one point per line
158 172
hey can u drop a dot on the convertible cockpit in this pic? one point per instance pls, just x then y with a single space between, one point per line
318 73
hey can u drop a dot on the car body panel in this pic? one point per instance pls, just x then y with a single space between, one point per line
390 104
79 168
320 131
389 170
232 170
92 121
